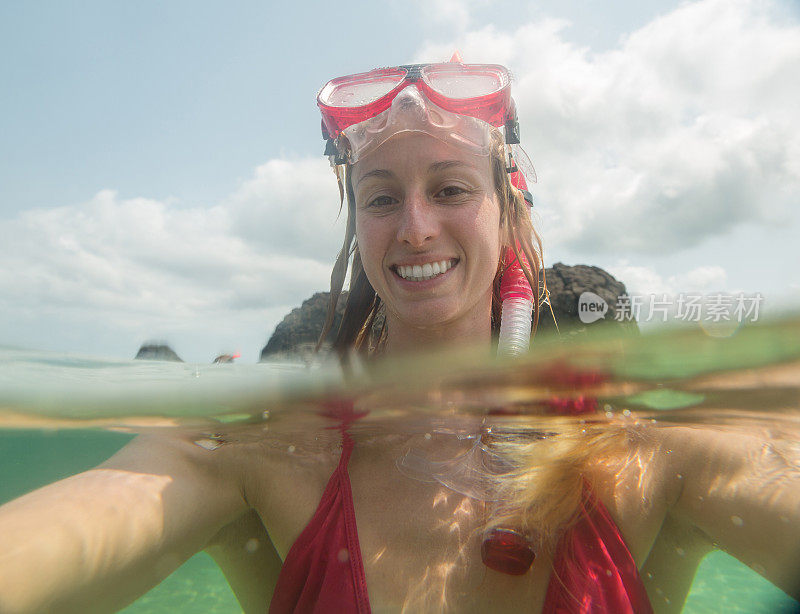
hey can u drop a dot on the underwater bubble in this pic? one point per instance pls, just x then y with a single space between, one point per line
208 444
251 545
737 521
626 412
609 414
680 551
428 435
291 448
343 555
608 572
649 575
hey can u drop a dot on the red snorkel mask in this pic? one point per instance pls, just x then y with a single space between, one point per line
455 101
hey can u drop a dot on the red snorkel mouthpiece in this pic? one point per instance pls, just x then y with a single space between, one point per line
507 551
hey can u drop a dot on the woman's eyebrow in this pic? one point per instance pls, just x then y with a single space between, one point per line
446 164
381 173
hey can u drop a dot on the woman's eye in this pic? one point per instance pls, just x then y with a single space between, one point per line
381 201
452 190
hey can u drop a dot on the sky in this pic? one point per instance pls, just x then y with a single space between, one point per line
162 177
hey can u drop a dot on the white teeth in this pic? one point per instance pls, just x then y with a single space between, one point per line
429 270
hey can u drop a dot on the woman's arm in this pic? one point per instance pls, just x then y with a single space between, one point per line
742 489
96 541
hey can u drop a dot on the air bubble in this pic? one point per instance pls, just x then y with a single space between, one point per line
291 448
737 521
208 444
343 555
609 414
626 412
680 551
427 435
251 545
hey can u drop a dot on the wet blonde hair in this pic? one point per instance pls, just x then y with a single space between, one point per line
364 306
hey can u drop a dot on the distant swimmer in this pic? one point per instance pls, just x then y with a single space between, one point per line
225 359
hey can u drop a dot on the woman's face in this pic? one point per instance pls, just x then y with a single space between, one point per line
428 231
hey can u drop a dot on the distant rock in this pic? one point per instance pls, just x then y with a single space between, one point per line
297 334
566 284
157 351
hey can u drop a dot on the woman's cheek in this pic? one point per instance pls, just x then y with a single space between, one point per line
368 250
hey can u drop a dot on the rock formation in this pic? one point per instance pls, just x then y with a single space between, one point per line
565 285
297 334
156 351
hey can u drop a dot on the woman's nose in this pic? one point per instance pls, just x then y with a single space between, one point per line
418 221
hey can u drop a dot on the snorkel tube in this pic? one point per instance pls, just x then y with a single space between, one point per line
509 549
516 294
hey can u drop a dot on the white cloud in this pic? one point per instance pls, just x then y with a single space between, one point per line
646 280
685 131
289 207
141 268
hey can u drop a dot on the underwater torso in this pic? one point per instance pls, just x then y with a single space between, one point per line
426 556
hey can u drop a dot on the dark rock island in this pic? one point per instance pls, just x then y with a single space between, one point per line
297 334
157 351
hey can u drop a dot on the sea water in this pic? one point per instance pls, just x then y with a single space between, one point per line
62 414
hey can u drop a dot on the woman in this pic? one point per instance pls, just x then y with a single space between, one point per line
328 523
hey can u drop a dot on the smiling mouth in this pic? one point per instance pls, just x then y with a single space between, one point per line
426 271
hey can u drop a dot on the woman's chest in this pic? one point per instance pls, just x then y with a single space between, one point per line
419 543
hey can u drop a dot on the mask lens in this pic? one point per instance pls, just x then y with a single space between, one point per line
465 82
362 89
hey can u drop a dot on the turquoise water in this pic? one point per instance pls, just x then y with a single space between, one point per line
30 459
59 390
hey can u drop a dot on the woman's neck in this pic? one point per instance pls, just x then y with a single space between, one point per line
402 337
